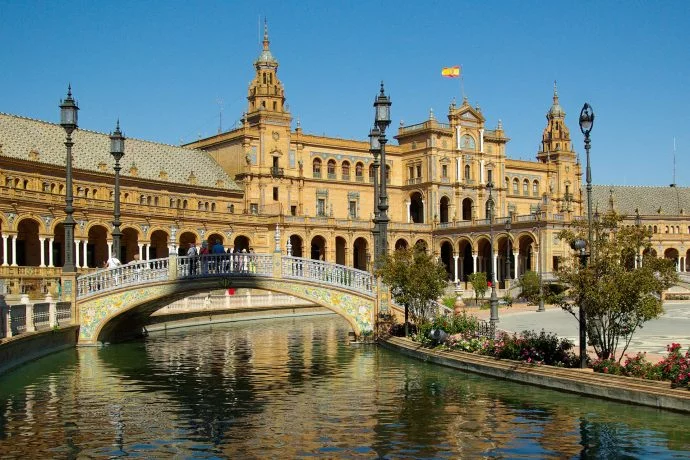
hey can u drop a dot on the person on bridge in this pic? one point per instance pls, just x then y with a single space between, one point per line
192 254
217 248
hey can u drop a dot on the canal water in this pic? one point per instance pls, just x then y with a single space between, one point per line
293 388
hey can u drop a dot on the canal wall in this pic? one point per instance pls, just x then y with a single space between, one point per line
580 381
15 351
200 318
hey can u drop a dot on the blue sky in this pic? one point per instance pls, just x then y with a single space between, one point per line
162 67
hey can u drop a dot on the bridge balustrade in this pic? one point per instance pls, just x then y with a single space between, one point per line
130 274
327 273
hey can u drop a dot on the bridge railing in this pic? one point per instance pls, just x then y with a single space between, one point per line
327 273
235 264
130 274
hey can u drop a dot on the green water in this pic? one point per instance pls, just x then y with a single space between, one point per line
293 388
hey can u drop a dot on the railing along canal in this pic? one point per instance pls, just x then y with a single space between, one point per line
226 265
25 317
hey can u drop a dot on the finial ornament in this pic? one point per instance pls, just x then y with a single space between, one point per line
69 90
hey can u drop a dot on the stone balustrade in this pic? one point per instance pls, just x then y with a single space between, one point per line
30 316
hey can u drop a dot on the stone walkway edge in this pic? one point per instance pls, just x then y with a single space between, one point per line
580 381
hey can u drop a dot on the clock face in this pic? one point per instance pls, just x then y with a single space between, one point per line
276 135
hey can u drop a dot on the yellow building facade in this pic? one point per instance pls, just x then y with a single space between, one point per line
239 186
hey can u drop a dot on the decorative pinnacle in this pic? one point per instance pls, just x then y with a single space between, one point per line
266 41
69 90
382 92
555 92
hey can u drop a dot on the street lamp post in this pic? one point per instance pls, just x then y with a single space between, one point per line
579 245
493 300
117 150
540 259
375 149
586 124
382 109
68 120
638 222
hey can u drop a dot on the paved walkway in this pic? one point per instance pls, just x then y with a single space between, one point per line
672 326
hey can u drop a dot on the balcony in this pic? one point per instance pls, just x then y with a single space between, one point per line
277 172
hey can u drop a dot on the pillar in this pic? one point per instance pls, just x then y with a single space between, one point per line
409 217
515 259
141 251
455 259
30 327
14 251
678 264
110 249
474 263
76 253
50 252
462 268
147 251
41 242
86 263
52 311
4 249
424 214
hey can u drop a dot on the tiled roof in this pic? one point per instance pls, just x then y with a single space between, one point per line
43 142
665 201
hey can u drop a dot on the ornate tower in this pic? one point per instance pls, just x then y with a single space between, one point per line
266 93
555 141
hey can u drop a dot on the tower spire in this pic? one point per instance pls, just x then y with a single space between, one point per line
266 41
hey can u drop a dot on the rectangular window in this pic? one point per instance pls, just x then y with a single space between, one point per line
275 193
321 207
444 170
353 209
489 175
419 170
254 208
293 210
411 172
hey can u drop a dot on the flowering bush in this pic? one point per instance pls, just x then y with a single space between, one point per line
676 366
465 342
530 347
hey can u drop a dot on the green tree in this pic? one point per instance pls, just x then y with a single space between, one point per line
479 284
416 279
529 286
617 298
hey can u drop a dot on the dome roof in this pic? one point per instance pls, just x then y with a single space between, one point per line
556 110
266 58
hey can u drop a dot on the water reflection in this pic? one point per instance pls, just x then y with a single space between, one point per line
292 388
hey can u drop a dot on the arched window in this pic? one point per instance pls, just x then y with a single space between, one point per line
213 206
371 173
331 169
316 168
467 142
184 204
535 188
359 171
516 186
142 199
525 187
345 169
155 201
467 172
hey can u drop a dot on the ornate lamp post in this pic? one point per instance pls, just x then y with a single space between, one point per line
579 246
586 124
117 150
375 149
68 120
382 118
508 228
537 213
638 222
493 300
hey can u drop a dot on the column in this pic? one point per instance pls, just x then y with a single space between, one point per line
474 263
409 217
455 259
86 263
681 265
481 172
30 327
76 253
50 252
515 259
41 242
110 249
481 140
4 250
424 214
141 250
147 253
678 264
495 264
14 251
458 170
462 268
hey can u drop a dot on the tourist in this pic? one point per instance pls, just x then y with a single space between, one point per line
192 253
204 252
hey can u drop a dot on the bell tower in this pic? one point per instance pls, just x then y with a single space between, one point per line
555 141
266 96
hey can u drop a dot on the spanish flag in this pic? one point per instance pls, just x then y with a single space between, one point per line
451 72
